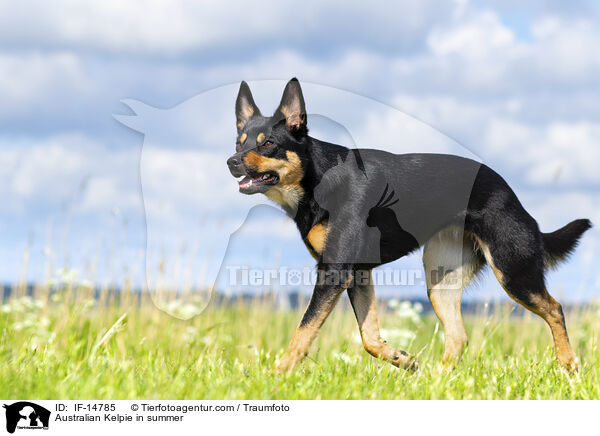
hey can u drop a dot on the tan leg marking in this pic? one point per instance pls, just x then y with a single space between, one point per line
549 310
450 265
306 332
362 297
490 260
303 336
317 237
446 304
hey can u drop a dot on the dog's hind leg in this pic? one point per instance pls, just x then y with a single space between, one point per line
362 298
450 262
521 274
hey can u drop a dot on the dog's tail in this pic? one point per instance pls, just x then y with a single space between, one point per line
559 244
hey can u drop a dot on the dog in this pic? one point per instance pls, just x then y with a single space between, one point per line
357 209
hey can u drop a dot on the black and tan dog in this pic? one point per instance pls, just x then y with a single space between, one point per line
357 209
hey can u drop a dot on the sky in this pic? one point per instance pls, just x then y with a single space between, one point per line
516 86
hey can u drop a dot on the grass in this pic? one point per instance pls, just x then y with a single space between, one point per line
70 346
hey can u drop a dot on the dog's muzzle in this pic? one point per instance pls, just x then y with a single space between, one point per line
236 166
253 182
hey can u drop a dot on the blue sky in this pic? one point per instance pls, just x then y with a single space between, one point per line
515 85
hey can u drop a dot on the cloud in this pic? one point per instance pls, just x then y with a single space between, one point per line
396 132
279 227
169 29
557 153
69 170
481 35
554 208
27 78
186 183
571 42
73 77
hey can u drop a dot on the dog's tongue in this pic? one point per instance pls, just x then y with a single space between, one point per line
246 182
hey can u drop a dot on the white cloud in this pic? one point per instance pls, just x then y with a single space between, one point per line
480 35
193 182
553 208
463 120
68 170
566 49
467 55
25 79
108 192
278 228
170 28
398 133
563 153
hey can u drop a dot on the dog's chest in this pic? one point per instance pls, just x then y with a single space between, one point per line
287 196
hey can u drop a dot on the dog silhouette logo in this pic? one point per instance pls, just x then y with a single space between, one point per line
26 415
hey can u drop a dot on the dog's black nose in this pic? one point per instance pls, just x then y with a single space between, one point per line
235 166
234 161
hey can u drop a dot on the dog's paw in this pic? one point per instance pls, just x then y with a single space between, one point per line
574 366
413 365
284 365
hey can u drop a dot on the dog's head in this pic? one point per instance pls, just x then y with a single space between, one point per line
270 151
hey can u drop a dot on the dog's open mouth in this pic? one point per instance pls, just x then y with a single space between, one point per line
258 183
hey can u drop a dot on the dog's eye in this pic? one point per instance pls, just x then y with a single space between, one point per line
267 143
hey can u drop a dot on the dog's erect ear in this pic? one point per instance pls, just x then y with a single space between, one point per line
245 108
292 107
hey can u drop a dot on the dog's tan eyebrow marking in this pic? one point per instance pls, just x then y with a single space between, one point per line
260 138
243 138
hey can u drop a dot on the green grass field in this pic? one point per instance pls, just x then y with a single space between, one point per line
67 347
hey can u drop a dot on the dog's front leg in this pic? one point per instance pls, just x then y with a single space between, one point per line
332 280
362 298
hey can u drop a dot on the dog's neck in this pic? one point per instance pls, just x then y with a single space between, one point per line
320 157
